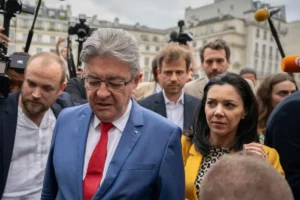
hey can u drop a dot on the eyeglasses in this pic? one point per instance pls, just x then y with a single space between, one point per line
112 85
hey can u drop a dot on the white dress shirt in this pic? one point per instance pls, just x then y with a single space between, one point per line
175 110
114 136
29 158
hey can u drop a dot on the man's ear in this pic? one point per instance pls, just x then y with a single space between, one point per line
137 80
158 71
62 87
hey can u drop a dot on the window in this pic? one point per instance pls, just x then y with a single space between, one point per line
39 25
144 37
52 26
12 35
204 42
147 61
209 30
271 37
256 47
219 10
25 23
39 50
270 68
277 55
262 67
194 44
255 65
198 33
39 38
157 48
278 26
232 7
257 33
155 39
52 40
25 37
264 49
265 34
147 48
271 52
146 76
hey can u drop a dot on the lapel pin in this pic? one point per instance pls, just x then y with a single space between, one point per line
136 132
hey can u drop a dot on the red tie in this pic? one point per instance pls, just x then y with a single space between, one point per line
96 164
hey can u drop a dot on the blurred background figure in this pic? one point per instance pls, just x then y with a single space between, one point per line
63 53
226 122
16 71
244 176
250 74
270 93
146 89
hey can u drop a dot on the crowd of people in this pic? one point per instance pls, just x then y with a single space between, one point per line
105 134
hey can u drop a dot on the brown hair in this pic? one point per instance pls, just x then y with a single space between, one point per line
217 44
172 52
49 58
154 65
16 80
245 176
264 97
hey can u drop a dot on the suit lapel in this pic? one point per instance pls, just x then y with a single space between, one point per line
160 105
82 123
129 137
187 113
9 126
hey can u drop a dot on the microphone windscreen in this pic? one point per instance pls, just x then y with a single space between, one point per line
291 64
261 15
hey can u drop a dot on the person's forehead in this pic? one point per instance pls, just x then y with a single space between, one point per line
208 52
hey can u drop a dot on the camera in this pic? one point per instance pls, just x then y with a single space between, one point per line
81 29
183 37
4 79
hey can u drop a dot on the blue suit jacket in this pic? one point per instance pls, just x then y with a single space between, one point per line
283 134
8 125
147 163
156 103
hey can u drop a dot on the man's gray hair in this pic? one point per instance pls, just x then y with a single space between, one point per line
117 43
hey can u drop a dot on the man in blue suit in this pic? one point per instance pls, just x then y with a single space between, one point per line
173 70
283 134
27 120
112 148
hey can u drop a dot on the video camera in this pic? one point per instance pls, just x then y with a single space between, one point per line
81 29
17 62
183 37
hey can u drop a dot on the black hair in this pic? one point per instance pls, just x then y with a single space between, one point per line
247 128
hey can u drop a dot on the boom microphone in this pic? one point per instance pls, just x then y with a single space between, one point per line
291 64
264 14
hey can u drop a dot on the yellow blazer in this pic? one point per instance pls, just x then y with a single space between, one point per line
192 161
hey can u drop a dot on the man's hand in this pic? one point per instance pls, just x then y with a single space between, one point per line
3 37
60 40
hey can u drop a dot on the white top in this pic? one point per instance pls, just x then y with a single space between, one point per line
114 136
175 110
29 158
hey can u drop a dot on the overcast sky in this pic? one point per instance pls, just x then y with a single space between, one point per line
152 13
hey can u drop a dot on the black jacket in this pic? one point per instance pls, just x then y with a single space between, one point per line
8 125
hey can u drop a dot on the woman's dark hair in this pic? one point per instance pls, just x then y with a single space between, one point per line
264 97
247 128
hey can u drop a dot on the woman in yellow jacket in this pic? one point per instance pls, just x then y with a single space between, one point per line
225 122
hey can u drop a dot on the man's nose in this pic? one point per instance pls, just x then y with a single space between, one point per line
103 91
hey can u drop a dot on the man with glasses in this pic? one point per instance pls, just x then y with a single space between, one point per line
111 147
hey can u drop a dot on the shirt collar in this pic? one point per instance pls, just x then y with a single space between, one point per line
119 123
180 100
206 78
